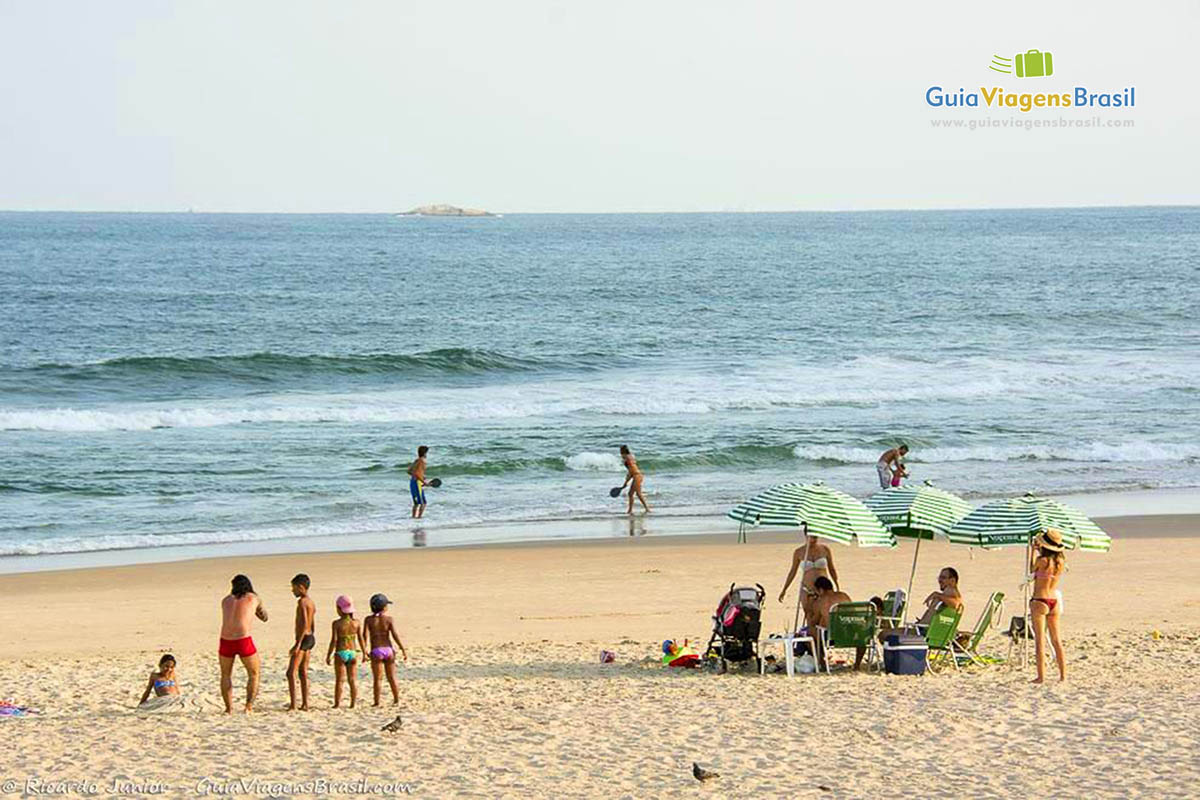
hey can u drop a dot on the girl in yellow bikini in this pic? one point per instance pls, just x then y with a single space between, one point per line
632 475
1048 564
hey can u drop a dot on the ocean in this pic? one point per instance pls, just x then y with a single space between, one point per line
206 379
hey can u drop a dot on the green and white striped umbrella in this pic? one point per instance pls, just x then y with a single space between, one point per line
918 512
826 512
1014 522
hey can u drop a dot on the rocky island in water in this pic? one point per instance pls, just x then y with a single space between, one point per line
443 210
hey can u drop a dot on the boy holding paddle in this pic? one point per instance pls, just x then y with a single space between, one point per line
416 482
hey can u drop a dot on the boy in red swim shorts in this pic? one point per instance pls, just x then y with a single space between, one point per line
238 610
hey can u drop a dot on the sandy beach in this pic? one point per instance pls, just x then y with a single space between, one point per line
504 695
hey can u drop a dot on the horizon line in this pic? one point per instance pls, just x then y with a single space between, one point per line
612 213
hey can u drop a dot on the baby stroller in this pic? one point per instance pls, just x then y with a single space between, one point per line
736 626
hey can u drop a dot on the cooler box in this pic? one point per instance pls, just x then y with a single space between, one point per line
905 655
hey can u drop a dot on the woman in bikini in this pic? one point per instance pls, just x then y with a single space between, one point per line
162 682
813 560
345 643
632 475
1048 564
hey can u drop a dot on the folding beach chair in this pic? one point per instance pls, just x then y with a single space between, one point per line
940 635
850 625
893 609
969 650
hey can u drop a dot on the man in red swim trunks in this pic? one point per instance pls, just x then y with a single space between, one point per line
238 610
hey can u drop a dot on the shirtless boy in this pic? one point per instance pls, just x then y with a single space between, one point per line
238 610
416 482
306 618
381 631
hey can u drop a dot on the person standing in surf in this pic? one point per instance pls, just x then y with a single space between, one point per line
889 463
416 482
633 475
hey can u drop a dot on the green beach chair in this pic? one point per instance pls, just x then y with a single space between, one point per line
968 651
850 625
893 609
939 636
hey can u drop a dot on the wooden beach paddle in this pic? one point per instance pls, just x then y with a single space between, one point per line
435 483
615 491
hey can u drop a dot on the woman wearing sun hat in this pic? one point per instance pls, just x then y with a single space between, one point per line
1049 563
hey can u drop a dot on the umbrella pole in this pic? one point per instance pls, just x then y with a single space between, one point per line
912 573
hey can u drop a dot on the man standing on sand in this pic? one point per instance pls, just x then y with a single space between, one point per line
889 462
238 610
306 618
416 482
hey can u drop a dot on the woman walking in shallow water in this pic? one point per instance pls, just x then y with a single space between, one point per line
632 475
1047 565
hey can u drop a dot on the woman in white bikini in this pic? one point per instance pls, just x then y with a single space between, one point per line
812 560
1048 564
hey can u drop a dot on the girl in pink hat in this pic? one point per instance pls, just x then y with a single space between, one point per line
345 644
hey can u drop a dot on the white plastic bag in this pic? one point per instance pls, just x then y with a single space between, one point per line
806 664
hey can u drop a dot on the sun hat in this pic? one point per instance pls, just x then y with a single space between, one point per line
667 645
379 602
1051 540
345 604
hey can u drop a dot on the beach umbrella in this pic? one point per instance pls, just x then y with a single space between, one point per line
917 512
1016 521
818 509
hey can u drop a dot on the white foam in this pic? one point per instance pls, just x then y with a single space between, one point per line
594 462
681 390
129 541
1133 451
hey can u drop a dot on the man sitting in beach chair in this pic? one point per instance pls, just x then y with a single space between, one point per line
947 596
826 600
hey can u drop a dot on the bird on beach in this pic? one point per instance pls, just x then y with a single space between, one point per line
394 725
702 774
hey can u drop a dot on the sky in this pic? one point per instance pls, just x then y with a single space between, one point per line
582 106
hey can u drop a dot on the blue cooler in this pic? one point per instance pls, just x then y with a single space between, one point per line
905 655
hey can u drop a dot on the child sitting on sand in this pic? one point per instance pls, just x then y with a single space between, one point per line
162 682
381 631
345 643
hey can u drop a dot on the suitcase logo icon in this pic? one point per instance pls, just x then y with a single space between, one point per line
1030 64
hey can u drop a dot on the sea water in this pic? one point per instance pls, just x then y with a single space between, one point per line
197 379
